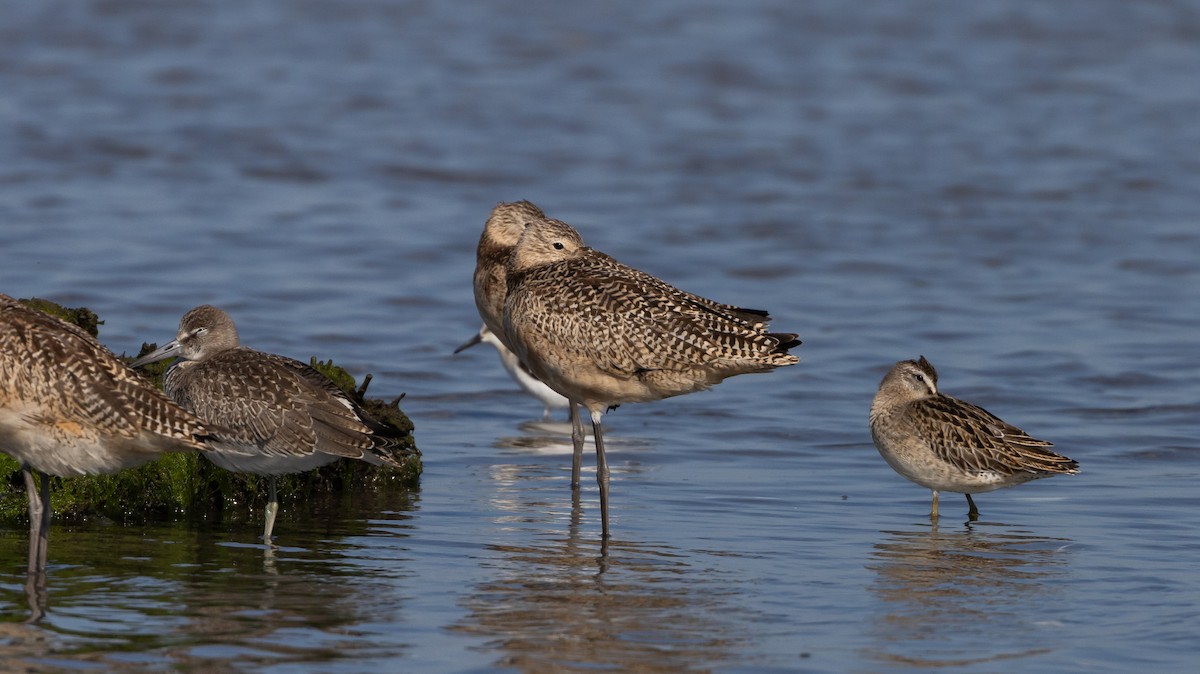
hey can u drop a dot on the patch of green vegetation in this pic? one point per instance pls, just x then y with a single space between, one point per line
83 317
186 486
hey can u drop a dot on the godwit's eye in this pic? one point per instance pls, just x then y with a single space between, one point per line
558 245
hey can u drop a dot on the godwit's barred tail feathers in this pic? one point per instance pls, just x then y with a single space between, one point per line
946 444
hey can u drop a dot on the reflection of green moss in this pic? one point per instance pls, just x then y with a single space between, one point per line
185 485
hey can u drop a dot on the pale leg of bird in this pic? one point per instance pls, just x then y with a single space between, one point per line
577 443
272 509
39 519
933 513
601 472
973 513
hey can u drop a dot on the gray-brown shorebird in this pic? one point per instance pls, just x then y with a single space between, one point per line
281 416
69 407
946 444
603 334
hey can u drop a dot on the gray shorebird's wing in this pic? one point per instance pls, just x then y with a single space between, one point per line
976 440
278 405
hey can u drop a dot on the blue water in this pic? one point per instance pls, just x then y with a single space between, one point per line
1006 188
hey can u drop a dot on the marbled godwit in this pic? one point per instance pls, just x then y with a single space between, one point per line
282 416
500 234
603 334
946 444
69 407
550 398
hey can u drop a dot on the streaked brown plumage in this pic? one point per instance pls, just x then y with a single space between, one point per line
602 333
500 234
946 444
69 407
282 415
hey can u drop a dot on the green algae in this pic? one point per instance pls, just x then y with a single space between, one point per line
186 486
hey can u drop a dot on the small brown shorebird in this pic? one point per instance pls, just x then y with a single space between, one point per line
946 444
69 407
603 334
280 415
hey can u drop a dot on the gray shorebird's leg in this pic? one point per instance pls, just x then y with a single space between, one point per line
39 519
272 510
601 472
933 513
577 443
973 512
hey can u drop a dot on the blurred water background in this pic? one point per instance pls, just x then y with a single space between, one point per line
1011 189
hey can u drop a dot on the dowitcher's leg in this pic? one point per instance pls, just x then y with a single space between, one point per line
933 513
973 513
577 443
601 472
272 510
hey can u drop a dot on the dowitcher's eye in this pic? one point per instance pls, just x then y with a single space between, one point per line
558 245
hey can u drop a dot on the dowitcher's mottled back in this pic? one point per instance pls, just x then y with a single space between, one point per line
602 333
281 415
946 444
69 407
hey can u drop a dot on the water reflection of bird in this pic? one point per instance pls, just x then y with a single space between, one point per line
947 594
69 407
282 415
521 374
557 605
603 334
946 444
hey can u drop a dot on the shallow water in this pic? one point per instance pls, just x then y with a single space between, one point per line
1006 188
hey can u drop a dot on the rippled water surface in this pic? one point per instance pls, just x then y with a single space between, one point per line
1009 189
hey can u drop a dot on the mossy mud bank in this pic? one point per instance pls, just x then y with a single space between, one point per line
187 486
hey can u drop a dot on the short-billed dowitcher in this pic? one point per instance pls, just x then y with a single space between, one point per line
69 407
602 334
550 398
946 444
281 415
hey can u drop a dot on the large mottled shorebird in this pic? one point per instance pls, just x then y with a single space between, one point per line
281 416
550 398
69 407
946 444
603 334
